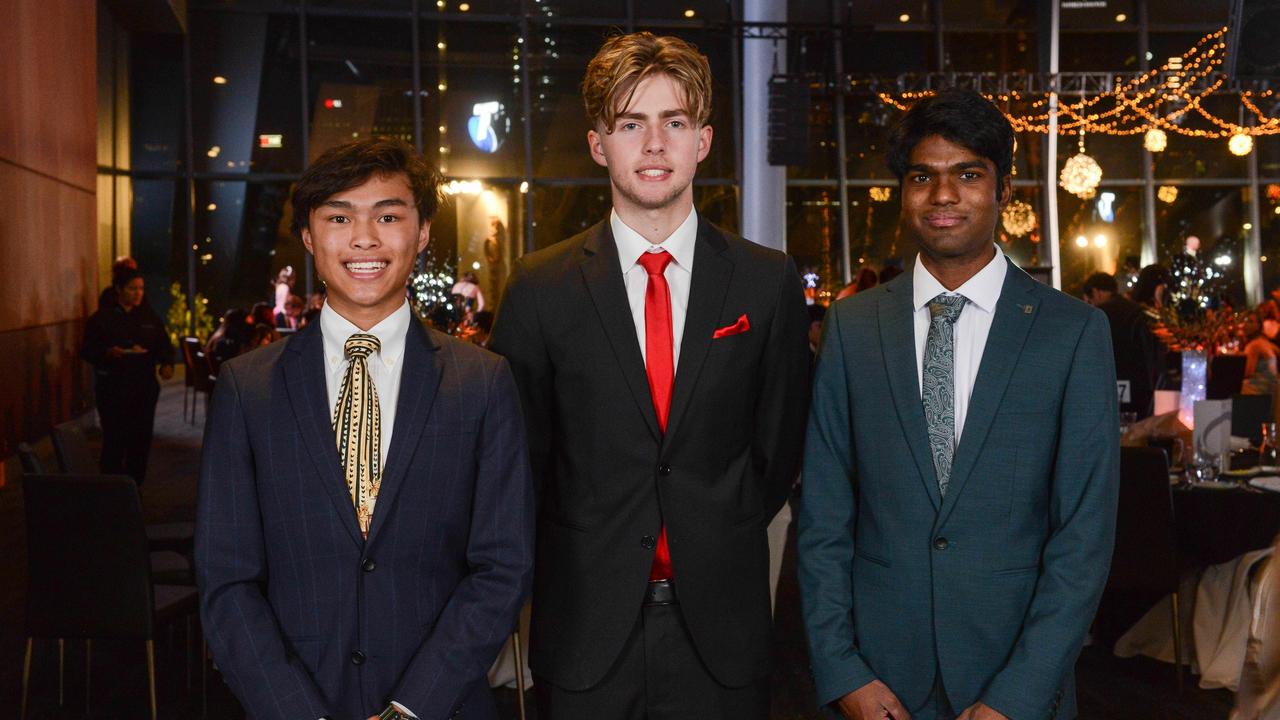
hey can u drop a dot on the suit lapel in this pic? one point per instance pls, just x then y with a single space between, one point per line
1015 311
603 275
419 381
303 368
707 291
898 343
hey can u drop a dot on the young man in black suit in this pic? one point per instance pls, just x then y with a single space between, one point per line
663 366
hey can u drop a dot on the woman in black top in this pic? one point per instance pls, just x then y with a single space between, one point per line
126 343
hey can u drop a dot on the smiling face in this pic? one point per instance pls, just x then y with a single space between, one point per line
653 149
951 201
364 240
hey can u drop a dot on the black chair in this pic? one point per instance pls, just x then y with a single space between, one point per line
31 463
72 448
199 375
1144 567
88 570
1248 413
76 458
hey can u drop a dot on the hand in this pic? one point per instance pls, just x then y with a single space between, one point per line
873 701
166 372
373 717
980 711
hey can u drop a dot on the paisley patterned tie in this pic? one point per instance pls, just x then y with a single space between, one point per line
357 421
939 386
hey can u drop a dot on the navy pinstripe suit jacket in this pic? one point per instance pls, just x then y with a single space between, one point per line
304 617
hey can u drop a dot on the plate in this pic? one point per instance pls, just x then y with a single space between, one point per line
1267 482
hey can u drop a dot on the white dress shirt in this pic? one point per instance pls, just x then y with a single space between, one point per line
679 274
970 329
384 365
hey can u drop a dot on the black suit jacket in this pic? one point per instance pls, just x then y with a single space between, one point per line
305 618
607 478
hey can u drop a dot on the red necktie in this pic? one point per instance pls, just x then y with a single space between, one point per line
660 367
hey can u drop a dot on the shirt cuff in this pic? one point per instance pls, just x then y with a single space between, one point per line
403 710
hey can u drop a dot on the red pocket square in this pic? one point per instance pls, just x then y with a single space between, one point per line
741 326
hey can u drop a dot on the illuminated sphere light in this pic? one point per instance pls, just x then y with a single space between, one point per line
1080 176
1018 218
1240 144
881 194
1155 140
1167 194
1082 241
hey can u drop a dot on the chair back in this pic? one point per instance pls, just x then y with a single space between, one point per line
190 346
31 464
1248 413
200 372
88 568
72 448
1144 566
1259 694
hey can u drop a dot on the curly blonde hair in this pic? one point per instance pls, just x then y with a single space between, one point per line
617 69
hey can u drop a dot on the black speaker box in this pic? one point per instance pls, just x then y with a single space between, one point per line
1253 41
788 120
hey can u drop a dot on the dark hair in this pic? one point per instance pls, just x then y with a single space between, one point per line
483 320
1149 278
817 313
1100 281
346 166
889 272
962 116
123 276
867 279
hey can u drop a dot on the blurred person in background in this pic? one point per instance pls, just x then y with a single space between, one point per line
126 343
1139 355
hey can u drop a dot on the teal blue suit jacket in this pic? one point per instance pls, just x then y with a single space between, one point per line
995 584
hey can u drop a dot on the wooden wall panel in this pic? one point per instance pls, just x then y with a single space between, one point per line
48 109
50 254
48 240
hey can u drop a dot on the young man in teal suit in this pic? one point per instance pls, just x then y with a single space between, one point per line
962 458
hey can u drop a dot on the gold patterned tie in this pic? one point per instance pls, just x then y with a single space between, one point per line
357 421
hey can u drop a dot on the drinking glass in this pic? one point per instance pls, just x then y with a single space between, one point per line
1269 453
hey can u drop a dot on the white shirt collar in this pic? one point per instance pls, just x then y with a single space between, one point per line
391 332
632 244
983 289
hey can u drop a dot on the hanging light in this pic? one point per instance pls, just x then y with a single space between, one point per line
1081 174
880 194
1240 144
1155 140
1167 194
1018 218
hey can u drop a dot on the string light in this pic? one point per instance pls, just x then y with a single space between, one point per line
1018 218
880 194
1159 99
1167 194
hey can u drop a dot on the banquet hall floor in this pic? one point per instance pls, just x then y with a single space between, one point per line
1109 688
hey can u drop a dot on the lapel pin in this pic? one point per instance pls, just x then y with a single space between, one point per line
1026 309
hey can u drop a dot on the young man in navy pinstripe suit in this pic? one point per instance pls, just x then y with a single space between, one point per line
364 535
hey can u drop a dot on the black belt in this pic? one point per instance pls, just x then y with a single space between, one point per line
660 592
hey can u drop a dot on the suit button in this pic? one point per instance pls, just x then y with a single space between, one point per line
664 469
648 542
369 565
940 543
357 658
